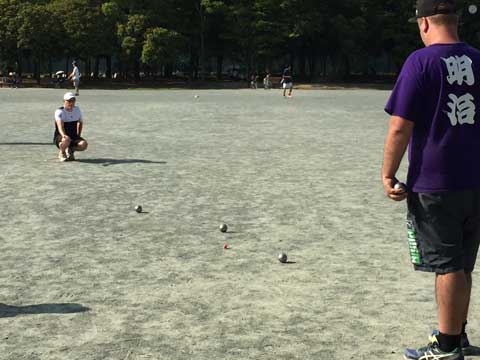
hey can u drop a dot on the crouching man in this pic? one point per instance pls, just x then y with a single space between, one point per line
68 129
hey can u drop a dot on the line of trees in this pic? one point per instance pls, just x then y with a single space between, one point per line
333 38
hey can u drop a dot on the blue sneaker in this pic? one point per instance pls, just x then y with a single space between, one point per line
463 340
432 352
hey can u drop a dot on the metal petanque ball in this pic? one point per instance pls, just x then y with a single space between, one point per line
472 9
223 228
282 257
138 208
400 186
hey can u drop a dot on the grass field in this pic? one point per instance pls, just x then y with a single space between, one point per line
84 277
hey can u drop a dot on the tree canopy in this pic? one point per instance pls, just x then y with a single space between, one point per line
200 38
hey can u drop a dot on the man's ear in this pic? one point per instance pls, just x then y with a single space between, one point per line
424 25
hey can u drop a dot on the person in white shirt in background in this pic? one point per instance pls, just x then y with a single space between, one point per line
75 77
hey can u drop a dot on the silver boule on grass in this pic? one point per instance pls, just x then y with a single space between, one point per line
283 258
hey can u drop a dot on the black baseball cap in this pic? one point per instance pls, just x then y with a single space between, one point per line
426 8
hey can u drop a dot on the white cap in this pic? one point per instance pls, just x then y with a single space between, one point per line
69 96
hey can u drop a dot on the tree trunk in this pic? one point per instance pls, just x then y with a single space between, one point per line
36 70
249 62
193 62
97 66
202 18
219 66
347 70
168 70
312 62
88 66
302 61
19 68
324 71
108 70
50 67
202 53
136 69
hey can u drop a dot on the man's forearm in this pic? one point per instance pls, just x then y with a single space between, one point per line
396 144
61 128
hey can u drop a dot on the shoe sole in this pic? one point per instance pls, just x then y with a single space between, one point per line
468 351
432 357
407 358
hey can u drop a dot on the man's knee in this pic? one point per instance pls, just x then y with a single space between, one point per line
66 140
81 146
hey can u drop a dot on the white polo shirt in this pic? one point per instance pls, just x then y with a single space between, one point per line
69 116
76 73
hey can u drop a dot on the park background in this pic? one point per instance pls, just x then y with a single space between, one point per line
329 40
301 175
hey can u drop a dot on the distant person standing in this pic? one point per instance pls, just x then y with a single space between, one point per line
266 82
287 81
75 77
434 110
68 129
254 81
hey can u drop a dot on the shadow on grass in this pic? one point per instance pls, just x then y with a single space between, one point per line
12 311
472 351
26 143
108 162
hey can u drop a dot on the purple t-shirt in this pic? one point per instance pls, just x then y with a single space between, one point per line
439 90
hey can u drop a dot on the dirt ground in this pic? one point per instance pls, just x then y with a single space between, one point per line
84 277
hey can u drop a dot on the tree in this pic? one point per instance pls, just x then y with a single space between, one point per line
161 46
85 28
9 24
39 35
242 32
345 36
131 36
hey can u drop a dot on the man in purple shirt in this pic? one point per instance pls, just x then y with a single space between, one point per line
434 110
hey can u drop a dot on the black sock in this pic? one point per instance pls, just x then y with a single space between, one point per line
448 343
464 325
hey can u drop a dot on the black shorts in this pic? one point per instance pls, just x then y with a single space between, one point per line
444 230
74 142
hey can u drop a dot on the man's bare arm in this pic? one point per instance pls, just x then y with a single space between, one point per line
398 136
61 128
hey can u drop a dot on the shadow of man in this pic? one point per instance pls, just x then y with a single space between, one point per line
26 143
472 351
12 311
108 162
